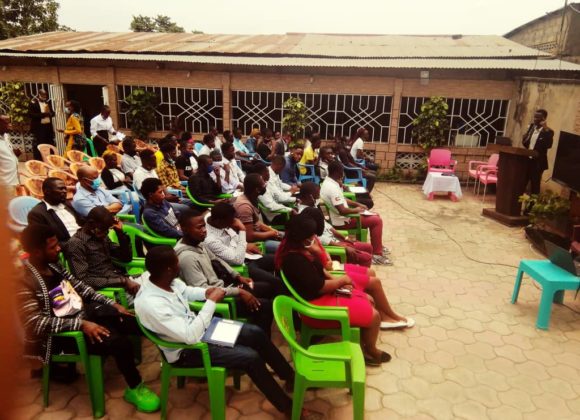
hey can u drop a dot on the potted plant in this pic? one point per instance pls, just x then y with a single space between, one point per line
295 118
430 126
141 112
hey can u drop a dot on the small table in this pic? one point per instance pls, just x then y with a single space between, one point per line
437 182
554 281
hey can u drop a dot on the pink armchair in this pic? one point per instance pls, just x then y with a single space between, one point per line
486 178
476 167
439 160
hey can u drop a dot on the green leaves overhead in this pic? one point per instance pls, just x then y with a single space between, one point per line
14 95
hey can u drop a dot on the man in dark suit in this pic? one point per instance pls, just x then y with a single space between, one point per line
40 112
54 211
538 138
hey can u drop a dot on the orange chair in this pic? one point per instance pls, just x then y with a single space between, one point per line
46 150
74 167
58 162
69 180
37 168
34 186
76 156
97 163
113 148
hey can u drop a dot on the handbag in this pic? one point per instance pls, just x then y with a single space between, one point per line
65 300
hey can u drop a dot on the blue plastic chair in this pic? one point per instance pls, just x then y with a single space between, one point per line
197 147
360 179
18 208
310 174
554 281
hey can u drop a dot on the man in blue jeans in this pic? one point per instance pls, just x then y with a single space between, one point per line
162 307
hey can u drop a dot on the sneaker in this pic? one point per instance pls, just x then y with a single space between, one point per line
380 260
142 398
386 250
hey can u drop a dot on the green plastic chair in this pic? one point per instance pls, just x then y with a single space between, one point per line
93 366
330 365
90 147
307 332
286 214
199 203
216 376
360 232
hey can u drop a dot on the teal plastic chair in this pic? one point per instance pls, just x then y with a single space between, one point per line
554 281
359 179
216 376
307 332
93 366
309 175
330 365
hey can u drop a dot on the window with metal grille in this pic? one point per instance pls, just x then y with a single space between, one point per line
329 114
197 110
472 122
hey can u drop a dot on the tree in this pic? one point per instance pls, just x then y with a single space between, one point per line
14 96
160 23
295 117
430 126
28 17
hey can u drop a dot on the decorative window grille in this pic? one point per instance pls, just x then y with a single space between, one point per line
18 140
409 160
196 109
472 122
329 114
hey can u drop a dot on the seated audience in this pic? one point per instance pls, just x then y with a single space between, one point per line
281 143
162 308
340 208
248 212
169 138
209 144
326 156
229 157
289 173
90 252
186 162
226 238
131 160
242 151
202 186
273 200
277 166
199 267
356 252
38 293
90 194
112 176
252 140
54 211
310 157
265 146
166 169
158 214
357 148
298 257
347 160
228 181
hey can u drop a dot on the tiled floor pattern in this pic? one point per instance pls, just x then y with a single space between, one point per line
471 355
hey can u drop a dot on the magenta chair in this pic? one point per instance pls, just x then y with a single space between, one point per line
439 160
486 178
476 167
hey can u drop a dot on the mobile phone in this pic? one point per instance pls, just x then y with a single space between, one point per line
343 292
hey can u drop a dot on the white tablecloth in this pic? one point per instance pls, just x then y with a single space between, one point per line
437 182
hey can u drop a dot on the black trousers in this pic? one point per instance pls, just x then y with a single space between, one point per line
252 352
535 176
117 345
262 318
44 134
266 284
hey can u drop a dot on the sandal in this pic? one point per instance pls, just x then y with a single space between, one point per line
384 358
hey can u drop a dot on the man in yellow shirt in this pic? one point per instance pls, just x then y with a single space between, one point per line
310 156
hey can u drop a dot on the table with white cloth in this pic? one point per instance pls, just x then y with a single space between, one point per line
437 182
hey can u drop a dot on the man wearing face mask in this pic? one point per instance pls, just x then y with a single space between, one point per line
186 162
90 252
228 181
90 194
201 184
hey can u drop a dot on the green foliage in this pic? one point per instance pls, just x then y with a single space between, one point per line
14 96
545 206
430 126
393 174
141 112
160 23
295 117
27 17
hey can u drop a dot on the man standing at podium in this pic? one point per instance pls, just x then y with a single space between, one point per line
538 138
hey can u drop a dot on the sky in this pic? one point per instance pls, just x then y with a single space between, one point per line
467 17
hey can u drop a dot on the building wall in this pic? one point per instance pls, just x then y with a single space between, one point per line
385 153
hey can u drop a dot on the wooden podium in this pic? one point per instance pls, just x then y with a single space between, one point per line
512 179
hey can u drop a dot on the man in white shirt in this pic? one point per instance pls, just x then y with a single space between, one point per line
274 200
229 181
162 306
131 160
341 208
208 145
8 158
101 127
229 156
357 148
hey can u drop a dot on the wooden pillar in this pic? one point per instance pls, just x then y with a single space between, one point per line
227 105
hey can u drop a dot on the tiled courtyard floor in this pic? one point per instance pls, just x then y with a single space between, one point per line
471 355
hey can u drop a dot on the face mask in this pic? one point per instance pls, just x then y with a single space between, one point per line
96 183
67 111
218 163
210 169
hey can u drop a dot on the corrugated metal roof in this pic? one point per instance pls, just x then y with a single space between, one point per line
386 63
288 45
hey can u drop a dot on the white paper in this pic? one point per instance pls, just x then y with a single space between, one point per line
253 256
120 135
337 266
237 193
226 331
368 213
358 190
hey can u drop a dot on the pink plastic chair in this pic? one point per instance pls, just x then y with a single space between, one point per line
476 167
440 161
486 178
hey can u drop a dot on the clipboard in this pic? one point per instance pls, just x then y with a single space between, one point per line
222 332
